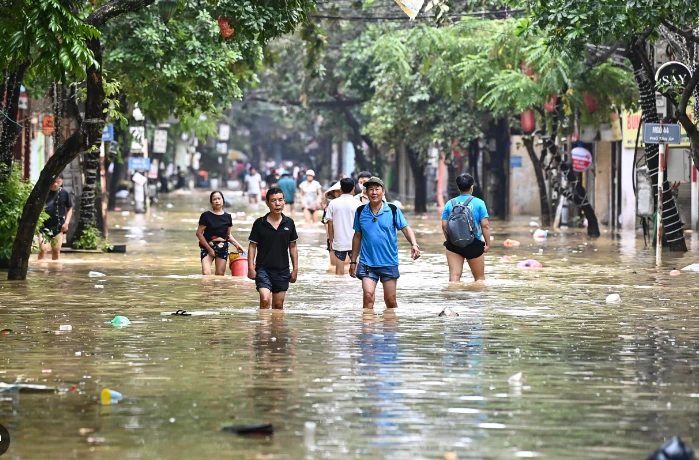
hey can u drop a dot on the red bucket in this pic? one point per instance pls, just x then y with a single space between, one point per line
239 266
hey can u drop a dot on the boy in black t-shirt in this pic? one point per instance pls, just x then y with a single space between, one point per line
272 240
59 207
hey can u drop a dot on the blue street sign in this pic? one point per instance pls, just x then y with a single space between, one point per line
515 161
139 164
657 133
108 133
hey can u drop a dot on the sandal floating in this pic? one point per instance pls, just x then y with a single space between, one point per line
190 313
264 429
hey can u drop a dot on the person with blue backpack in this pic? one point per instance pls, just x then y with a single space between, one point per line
466 230
375 244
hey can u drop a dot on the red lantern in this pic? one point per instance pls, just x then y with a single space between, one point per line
226 30
528 122
590 103
550 104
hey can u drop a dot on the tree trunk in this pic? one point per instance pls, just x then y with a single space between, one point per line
9 126
672 227
418 169
85 139
540 182
88 211
357 140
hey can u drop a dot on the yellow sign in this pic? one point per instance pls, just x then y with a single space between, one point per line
632 123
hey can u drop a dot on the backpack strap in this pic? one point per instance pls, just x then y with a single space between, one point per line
394 210
359 214
469 200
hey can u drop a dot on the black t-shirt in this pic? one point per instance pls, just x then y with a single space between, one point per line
216 225
273 245
57 205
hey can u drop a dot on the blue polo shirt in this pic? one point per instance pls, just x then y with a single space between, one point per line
477 207
379 241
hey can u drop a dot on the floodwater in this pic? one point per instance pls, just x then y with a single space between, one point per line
598 380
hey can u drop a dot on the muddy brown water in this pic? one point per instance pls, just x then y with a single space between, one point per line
599 380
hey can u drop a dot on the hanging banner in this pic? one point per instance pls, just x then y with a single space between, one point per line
410 7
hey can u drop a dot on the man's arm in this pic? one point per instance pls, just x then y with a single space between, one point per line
66 224
331 231
252 249
410 236
356 246
485 228
445 222
294 252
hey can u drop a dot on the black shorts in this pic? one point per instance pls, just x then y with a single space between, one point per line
276 280
220 249
472 251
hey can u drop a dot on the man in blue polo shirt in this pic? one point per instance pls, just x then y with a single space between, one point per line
375 244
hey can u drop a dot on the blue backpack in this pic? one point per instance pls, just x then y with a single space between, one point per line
461 226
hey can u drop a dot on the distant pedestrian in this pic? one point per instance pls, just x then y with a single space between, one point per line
360 195
288 186
272 241
253 185
332 193
312 195
340 217
271 178
59 207
214 234
456 217
375 245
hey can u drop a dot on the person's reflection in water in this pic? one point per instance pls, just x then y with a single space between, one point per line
380 366
275 358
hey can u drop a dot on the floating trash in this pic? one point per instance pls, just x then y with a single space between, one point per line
95 274
110 397
119 321
529 263
613 298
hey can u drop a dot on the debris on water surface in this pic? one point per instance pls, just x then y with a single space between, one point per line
450 456
448 312
529 263
505 259
675 273
119 321
110 397
613 298
250 430
92 274
85 431
25 388
65 327
515 379
540 234
508 243
674 449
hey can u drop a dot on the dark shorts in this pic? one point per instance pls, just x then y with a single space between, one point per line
273 279
220 249
377 274
472 251
342 255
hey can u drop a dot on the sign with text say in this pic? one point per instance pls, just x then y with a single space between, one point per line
657 133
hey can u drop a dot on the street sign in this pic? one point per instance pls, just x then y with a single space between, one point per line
160 141
108 133
657 133
515 161
582 159
671 76
139 164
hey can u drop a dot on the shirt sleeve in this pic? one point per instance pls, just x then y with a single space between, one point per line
254 233
356 226
203 220
447 210
329 212
293 236
68 200
483 210
401 223
230 220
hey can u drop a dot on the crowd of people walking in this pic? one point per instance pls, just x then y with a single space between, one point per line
361 228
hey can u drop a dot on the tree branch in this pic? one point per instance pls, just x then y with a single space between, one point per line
115 8
683 33
681 114
337 104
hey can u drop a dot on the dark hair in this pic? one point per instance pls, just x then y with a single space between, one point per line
465 182
347 184
273 191
363 174
211 197
60 176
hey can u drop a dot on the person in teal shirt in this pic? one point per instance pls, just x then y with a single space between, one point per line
474 253
288 186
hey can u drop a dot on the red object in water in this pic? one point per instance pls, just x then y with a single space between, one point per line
550 104
226 30
73 388
590 103
239 266
528 122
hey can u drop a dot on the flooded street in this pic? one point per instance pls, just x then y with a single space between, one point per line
598 380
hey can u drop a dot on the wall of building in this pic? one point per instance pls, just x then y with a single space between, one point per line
523 189
603 182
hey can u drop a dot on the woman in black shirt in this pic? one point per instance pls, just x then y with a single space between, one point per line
214 233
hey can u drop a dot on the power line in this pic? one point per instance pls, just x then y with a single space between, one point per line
405 18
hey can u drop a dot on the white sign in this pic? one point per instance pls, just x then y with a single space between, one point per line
582 159
222 148
160 141
224 132
138 134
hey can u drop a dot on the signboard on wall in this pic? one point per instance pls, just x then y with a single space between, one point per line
632 123
582 159
515 161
